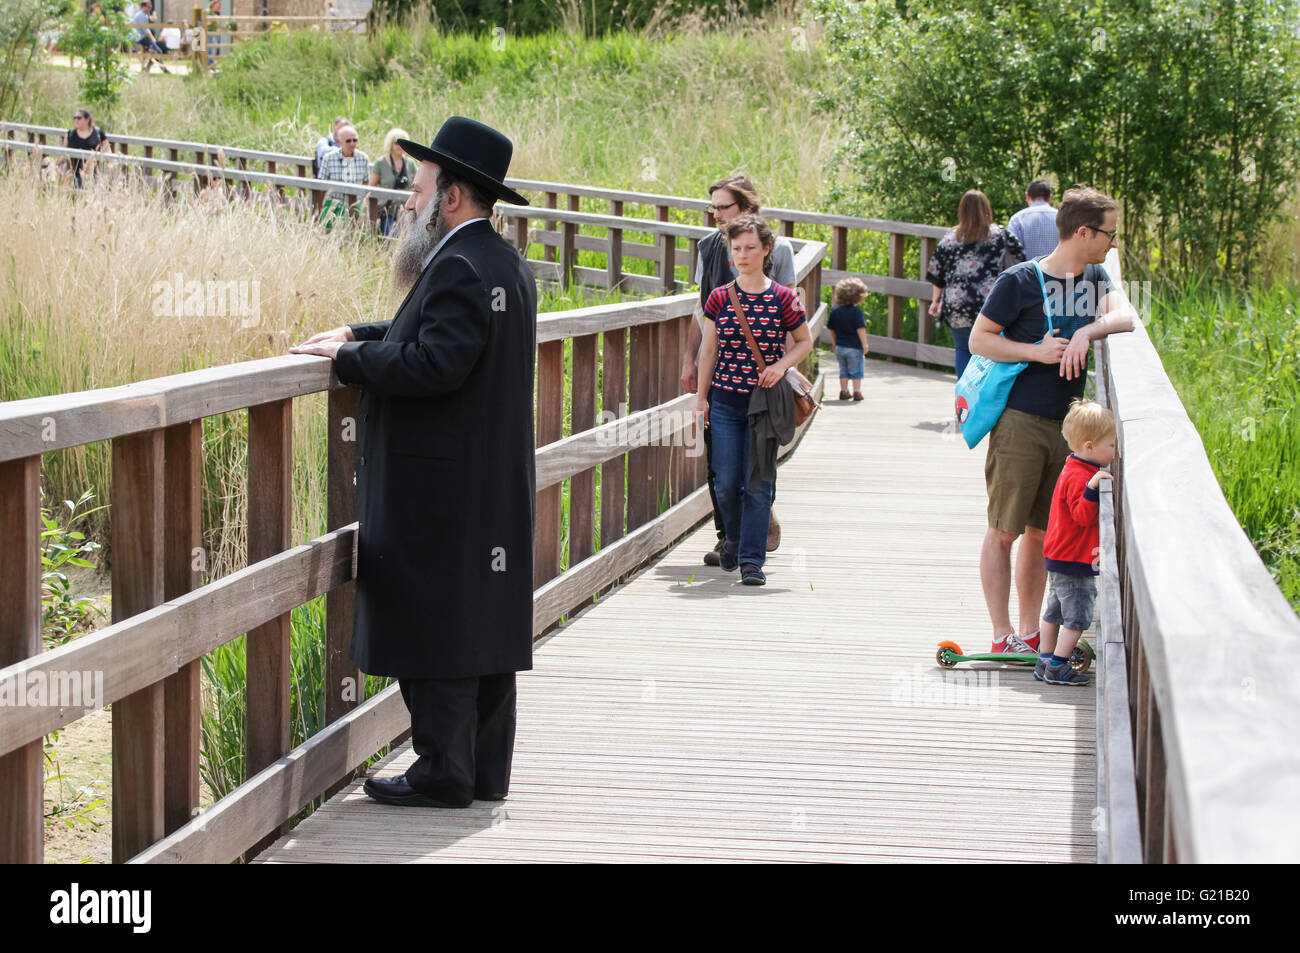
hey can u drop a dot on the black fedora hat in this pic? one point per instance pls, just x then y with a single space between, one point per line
472 150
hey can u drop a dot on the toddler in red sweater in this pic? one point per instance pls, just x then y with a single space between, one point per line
1072 541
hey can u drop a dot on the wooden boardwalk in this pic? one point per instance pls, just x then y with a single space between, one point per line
686 717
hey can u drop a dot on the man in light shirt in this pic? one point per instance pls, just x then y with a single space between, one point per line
1035 225
347 164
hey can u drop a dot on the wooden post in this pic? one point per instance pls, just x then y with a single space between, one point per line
787 229
1153 816
22 804
244 188
642 380
138 816
344 683
552 201
521 235
271 166
614 258
613 396
840 248
582 486
183 565
568 247
894 328
199 49
550 427
667 250
270 502
670 451
925 323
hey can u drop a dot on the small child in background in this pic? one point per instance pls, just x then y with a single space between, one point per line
850 334
1073 540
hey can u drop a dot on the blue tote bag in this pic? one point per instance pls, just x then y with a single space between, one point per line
985 385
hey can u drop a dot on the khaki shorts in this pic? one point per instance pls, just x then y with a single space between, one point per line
1025 456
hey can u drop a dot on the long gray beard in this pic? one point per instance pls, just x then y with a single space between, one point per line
422 232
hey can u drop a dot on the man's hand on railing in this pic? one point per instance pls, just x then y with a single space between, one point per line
1074 359
326 343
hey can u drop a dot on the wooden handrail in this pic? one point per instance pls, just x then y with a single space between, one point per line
1213 709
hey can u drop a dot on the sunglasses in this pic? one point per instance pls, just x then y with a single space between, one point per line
349 140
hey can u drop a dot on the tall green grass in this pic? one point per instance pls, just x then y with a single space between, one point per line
1234 358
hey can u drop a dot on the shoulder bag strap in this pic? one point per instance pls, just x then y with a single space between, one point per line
1047 308
744 323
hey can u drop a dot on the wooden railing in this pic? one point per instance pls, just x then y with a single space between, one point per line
560 244
1198 706
164 621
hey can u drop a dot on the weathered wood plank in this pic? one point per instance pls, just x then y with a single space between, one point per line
344 688
183 564
261 805
550 427
270 515
21 769
138 552
582 415
613 400
43 424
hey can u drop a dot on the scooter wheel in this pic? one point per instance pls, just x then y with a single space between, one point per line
1080 659
945 654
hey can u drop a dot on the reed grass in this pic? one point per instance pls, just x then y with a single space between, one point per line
1234 359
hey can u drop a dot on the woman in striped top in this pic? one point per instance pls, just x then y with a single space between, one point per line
727 362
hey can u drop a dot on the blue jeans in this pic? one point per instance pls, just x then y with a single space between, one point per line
744 509
850 359
960 349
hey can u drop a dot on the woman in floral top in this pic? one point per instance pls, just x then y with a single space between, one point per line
964 266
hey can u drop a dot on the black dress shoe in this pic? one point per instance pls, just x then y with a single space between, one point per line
489 797
397 791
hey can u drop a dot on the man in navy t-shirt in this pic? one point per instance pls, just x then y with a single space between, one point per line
1026 450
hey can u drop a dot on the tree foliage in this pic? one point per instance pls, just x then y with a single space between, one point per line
99 35
1185 111
21 24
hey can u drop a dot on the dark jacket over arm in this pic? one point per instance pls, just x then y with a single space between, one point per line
771 426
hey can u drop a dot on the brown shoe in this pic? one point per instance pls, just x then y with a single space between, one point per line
773 532
714 556
844 395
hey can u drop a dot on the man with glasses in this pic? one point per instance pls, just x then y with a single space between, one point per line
730 198
1026 450
347 164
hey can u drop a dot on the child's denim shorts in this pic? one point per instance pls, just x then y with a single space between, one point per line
1070 600
850 359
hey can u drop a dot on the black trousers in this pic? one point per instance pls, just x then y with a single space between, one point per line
463 730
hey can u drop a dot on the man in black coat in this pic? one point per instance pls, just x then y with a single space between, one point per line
445 474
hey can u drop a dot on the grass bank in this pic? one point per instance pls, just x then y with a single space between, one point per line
1234 358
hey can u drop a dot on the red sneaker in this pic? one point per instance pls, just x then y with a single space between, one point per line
1012 644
